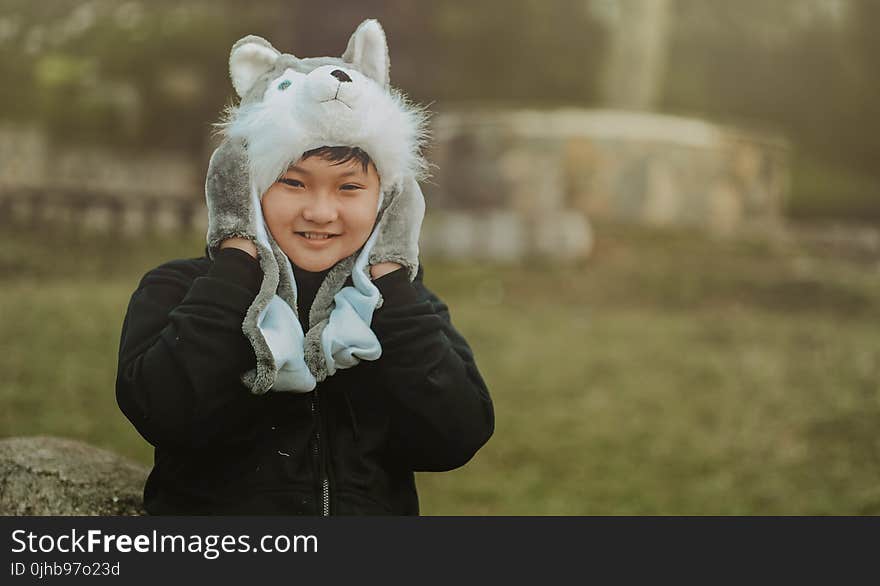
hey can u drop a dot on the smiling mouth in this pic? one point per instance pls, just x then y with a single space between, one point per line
316 235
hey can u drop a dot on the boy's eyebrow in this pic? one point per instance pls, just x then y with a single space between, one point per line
298 170
305 172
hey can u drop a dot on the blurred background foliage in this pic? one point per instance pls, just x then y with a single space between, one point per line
144 75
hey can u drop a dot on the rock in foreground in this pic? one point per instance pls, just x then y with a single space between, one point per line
43 475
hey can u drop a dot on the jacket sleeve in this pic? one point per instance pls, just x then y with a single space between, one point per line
440 407
182 351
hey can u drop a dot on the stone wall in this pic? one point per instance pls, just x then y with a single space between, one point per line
28 159
496 195
541 166
96 188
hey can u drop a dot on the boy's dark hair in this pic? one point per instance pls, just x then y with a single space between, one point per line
339 155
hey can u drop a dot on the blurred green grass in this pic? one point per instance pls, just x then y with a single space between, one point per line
668 374
824 190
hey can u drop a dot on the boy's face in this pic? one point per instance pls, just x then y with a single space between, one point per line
316 198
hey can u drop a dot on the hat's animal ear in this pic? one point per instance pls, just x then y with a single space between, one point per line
368 51
250 58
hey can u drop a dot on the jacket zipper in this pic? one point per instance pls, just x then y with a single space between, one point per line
325 482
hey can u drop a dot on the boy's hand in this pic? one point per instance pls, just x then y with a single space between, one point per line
240 243
383 268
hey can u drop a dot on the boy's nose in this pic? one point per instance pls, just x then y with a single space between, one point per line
340 75
320 211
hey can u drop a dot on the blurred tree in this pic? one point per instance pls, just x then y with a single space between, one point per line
153 74
131 74
529 52
864 81
523 51
635 70
806 66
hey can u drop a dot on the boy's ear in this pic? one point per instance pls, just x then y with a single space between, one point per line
368 51
250 58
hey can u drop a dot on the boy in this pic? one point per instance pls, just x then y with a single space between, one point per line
255 409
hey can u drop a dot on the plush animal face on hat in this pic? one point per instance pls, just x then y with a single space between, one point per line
291 105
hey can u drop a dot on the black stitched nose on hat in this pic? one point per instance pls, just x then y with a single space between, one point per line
340 75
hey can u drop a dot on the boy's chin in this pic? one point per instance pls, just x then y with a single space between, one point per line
312 262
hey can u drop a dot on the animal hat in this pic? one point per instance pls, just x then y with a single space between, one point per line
290 106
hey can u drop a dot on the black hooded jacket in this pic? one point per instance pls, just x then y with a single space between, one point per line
349 447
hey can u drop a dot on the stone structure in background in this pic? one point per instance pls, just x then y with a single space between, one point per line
95 188
498 195
533 177
52 476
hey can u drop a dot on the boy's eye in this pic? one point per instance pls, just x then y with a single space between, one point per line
351 187
291 182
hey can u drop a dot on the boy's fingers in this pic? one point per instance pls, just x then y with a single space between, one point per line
383 268
241 244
